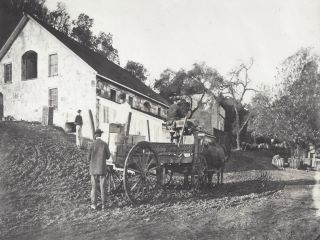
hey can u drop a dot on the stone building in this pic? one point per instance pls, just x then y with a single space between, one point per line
211 115
41 67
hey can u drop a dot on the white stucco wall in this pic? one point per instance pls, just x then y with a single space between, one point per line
76 81
138 124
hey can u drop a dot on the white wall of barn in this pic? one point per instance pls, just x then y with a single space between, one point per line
138 124
76 81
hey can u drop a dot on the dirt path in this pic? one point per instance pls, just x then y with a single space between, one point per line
288 213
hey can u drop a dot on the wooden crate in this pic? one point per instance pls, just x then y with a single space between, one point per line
121 154
116 128
134 139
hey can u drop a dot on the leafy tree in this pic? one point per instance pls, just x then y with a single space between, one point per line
137 70
81 30
261 121
11 12
103 45
201 80
60 19
236 88
293 114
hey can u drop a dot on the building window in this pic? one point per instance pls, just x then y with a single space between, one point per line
53 65
8 73
123 96
29 65
53 98
131 101
113 95
147 106
159 111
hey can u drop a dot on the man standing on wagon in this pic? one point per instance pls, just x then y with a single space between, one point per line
98 154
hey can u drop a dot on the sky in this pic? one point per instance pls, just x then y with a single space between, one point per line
174 34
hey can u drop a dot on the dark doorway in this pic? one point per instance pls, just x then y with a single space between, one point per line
1 106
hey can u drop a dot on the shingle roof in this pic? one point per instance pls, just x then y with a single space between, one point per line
102 65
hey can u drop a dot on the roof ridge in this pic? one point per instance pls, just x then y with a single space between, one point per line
101 64
70 38
80 44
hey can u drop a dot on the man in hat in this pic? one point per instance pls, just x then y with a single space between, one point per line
78 122
98 154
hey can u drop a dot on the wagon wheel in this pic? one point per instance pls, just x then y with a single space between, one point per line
113 180
141 173
199 173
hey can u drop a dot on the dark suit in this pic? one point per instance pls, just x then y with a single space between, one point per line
98 153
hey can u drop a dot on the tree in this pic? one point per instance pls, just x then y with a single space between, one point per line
293 114
236 87
82 30
11 12
201 80
137 70
261 121
103 44
60 19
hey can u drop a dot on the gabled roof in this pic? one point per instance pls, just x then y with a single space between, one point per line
103 67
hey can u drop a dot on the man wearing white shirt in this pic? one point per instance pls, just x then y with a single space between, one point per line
123 110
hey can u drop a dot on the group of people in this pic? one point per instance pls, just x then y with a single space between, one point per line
98 153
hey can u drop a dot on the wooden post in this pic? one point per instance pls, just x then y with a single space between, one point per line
127 130
163 175
195 157
148 130
181 135
98 113
91 123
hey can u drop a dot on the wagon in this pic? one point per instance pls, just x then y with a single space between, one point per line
147 166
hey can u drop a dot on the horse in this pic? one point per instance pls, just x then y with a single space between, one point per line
215 155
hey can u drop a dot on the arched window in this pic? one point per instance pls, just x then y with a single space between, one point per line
147 106
29 65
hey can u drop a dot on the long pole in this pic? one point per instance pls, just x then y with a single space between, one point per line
91 123
148 130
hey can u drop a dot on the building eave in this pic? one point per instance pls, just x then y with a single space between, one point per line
132 90
137 109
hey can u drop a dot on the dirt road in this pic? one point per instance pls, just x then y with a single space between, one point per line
257 201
